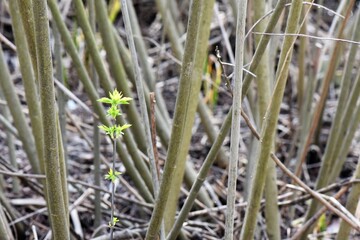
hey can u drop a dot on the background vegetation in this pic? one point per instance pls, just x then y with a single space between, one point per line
244 119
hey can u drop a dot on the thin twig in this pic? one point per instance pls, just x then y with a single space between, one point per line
85 136
250 125
224 35
346 185
316 216
7 42
309 36
315 194
112 225
153 131
227 79
27 216
33 228
71 95
80 199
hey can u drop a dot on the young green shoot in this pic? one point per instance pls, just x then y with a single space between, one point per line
115 131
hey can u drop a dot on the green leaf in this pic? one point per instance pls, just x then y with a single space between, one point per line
125 126
322 225
105 100
104 128
119 129
125 100
108 130
114 221
117 98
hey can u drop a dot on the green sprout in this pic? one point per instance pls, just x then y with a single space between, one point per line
115 131
113 223
112 175
116 99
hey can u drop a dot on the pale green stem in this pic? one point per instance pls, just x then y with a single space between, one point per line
27 17
8 126
96 137
206 120
184 112
61 98
263 79
263 44
5 231
141 96
15 108
350 121
27 66
148 73
345 107
235 127
30 87
59 219
270 123
201 177
187 100
113 192
10 142
63 169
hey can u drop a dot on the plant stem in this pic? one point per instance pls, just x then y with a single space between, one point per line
186 103
264 85
20 123
201 177
141 95
27 18
140 91
5 230
96 138
235 127
113 193
269 126
148 72
320 105
263 44
59 219
170 28
351 204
